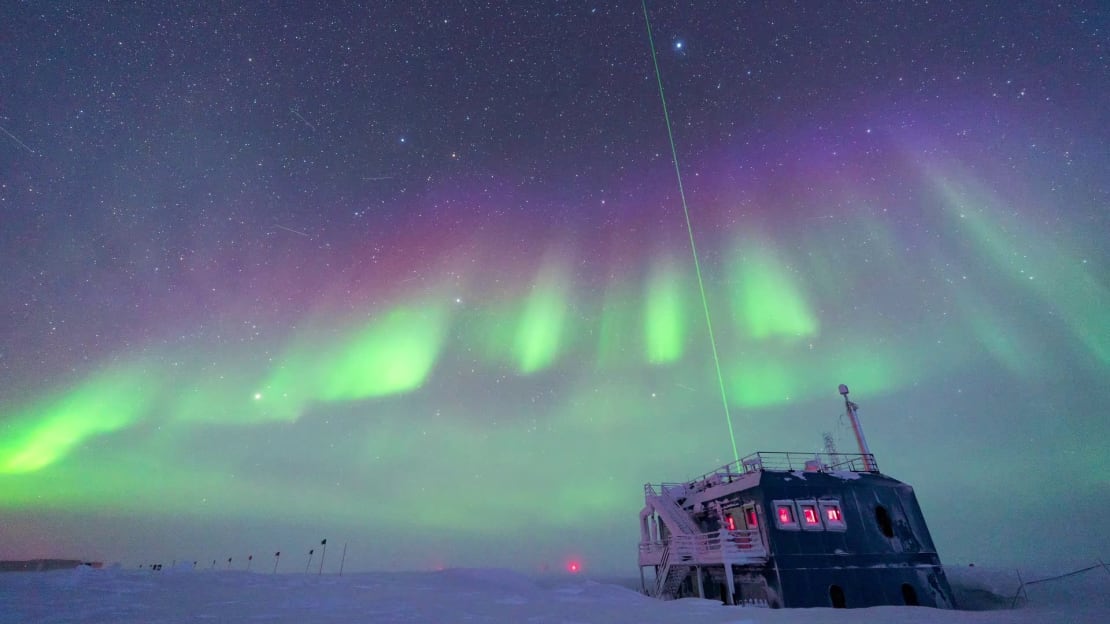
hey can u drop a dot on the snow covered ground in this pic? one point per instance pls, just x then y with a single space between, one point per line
479 595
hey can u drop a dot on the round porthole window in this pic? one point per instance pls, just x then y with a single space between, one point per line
882 518
909 595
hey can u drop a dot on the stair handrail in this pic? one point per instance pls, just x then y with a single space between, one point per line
680 516
680 551
664 569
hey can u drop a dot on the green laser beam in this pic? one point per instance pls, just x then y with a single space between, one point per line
690 231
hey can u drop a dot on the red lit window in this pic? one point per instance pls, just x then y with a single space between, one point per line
752 522
730 522
786 515
810 515
833 515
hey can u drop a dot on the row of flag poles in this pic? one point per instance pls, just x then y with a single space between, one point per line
311 554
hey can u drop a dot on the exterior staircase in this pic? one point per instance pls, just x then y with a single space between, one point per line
687 546
673 514
674 568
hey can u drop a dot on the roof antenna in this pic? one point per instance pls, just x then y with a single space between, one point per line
868 458
830 445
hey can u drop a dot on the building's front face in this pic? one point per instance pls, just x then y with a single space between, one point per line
838 539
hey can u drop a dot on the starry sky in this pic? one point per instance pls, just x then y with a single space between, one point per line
417 277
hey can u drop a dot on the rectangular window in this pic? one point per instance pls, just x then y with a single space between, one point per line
833 515
786 516
730 522
753 520
810 515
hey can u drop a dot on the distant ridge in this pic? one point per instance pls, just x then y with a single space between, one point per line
44 565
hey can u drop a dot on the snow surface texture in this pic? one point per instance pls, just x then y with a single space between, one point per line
476 595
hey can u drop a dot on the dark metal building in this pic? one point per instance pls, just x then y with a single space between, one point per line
791 530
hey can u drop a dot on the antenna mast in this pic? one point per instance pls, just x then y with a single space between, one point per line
851 407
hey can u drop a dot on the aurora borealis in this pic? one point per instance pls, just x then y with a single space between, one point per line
417 278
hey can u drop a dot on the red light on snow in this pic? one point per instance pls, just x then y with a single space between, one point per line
833 513
786 516
810 515
731 522
573 567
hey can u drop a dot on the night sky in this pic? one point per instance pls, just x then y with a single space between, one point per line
416 276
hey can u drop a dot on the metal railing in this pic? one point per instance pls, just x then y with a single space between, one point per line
740 543
665 573
708 547
794 460
667 505
662 571
681 552
782 461
673 511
